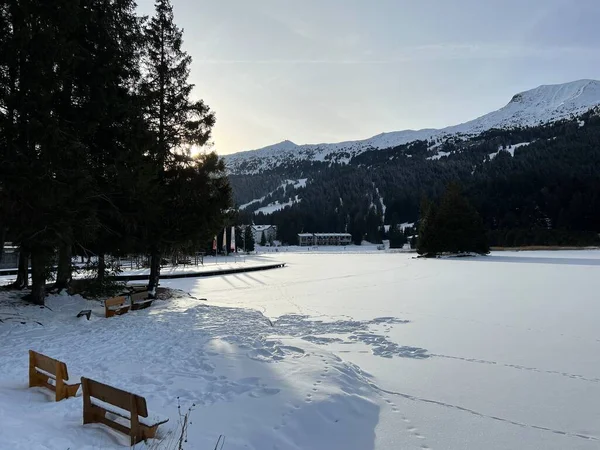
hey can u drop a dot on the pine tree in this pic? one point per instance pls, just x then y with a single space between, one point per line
263 239
35 142
397 237
249 238
454 227
176 121
459 225
426 243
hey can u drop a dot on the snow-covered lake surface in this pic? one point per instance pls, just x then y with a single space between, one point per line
336 351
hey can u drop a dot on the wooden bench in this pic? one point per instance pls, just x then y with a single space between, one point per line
101 401
115 307
43 370
140 300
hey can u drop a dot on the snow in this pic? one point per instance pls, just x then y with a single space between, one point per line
301 183
250 203
510 149
383 206
403 226
358 349
261 228
365 248
211 264
276 206
496 353
297 184
543 104
149 421
439 155
248 381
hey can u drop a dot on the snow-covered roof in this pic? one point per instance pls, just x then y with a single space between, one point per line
263 227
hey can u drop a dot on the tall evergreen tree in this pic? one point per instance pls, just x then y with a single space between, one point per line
117 135
32 184
175 120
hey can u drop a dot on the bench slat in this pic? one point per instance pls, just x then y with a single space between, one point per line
114 301
150 421
115 306
47 364
139 296
141 305
116 397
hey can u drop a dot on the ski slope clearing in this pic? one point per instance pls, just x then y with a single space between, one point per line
272 207
346 349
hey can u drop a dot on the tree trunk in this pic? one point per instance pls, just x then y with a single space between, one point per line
154 272
39 266
23 271
101 268
64 271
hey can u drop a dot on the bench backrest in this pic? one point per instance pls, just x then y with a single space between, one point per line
116 397
49 365
115 301
139 296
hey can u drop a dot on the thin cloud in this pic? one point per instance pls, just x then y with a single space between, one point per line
431 52
294 61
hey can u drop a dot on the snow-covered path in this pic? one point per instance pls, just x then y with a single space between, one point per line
497 352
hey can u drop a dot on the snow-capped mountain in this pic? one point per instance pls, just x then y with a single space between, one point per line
541 105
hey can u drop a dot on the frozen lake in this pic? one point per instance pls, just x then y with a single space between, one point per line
497 352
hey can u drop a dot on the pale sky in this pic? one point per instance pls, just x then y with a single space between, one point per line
315 71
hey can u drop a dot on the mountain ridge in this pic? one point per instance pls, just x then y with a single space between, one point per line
543 104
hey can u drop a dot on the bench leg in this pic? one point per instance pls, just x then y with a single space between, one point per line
72 389
88 412
34 376
61 390
148 432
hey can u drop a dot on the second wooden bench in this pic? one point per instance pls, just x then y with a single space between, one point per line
101 400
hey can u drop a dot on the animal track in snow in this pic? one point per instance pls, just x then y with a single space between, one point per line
519 367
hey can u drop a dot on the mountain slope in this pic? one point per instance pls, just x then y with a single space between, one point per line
541 105
535 185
